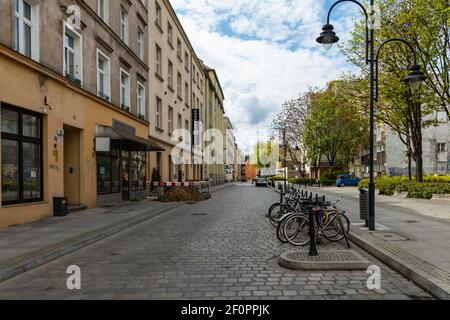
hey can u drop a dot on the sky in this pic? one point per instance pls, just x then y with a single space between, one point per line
264 52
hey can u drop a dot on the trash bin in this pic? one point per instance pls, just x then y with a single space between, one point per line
60 206
364 205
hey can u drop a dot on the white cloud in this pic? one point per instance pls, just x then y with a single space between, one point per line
269 56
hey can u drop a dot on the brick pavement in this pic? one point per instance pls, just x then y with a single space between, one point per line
220 249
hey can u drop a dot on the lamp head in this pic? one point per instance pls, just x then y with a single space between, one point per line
328 36
415 78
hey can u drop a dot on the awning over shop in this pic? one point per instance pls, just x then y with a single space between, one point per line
111 133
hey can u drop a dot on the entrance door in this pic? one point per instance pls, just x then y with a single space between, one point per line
125 172
72 168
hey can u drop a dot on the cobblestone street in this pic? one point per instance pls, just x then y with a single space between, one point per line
220 249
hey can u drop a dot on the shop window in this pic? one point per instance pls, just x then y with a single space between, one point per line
138 164
108 170
21 156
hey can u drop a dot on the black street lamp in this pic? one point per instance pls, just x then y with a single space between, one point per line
414 79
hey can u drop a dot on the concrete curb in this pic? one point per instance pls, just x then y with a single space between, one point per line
422 273
328 260
18 265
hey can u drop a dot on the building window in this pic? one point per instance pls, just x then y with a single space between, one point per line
103 76
158 17
158 113
180 122
141 100
170 120
441 147
186 61
195 80
170 74
103 10
21 156
124 25
179 81
158 60
170 168
179 48
159 162
141 44
73 58
170 34
26 28
108 170
125 90
186 92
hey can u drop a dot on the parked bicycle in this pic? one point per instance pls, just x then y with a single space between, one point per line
291 218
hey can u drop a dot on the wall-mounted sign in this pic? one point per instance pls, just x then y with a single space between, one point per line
102 144
196 126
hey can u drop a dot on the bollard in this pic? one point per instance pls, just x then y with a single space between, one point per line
312 236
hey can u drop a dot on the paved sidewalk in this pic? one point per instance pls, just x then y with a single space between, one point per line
28 246
417 243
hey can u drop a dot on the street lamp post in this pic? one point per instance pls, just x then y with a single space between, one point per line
328 38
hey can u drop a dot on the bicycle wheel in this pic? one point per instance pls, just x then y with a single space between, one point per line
336 234
296 230
276 212
280 234
332 228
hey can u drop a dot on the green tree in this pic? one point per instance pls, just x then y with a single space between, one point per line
334 128
425 25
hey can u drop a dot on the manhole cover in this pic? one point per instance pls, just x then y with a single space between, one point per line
389 236
326 260
199 214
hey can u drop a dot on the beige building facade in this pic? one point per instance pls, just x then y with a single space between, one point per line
214 128
176 77
73 90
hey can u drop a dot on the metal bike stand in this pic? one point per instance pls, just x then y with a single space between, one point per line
312 236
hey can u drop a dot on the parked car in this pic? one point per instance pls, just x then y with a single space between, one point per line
345 180
261 182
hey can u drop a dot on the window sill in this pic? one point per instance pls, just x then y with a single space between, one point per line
157 75
159 27
170 44
179 58
170 88
25 204
180 98
159 130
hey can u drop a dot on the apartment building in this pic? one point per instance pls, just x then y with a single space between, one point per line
228 149
176 94
391 153
73 91
214 124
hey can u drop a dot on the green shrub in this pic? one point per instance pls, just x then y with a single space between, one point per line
302 181
390 185
276 178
